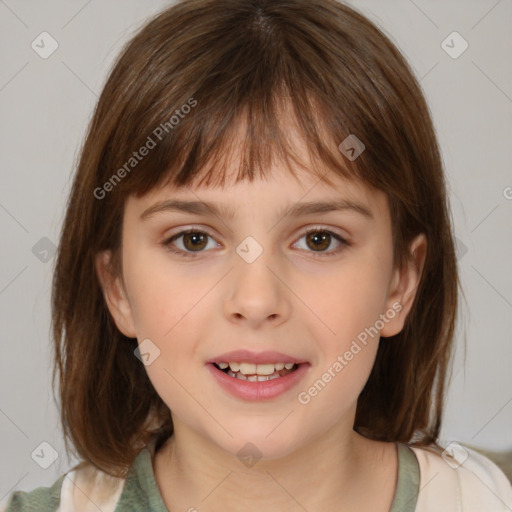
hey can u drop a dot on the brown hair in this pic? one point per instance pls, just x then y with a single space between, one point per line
184 82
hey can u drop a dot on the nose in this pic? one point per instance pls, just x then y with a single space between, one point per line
256 293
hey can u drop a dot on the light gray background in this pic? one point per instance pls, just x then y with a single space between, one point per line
46 104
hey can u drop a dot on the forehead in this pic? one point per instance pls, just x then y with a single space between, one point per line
280 192
299 175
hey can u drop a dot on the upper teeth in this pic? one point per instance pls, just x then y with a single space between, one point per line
255 369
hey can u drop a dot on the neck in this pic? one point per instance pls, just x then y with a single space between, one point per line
193 472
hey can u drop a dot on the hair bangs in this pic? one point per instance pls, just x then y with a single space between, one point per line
245 135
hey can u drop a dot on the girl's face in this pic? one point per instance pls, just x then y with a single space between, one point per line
252 279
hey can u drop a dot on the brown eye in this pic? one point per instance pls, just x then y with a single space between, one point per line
318 240
194 241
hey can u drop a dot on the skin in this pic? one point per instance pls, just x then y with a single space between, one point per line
288 300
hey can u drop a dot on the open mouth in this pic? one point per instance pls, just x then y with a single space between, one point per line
256 373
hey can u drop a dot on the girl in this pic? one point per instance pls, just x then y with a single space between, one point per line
256 289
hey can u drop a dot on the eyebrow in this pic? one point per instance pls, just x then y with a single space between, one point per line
298 209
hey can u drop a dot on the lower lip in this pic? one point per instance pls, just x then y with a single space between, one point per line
257 391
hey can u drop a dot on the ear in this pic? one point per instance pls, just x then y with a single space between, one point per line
115 294
403 287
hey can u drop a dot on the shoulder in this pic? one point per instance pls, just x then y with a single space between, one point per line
461 479
42 499
83 489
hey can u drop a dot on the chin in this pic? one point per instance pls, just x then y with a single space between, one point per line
254 443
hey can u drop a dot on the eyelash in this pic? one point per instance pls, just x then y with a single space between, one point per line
167 244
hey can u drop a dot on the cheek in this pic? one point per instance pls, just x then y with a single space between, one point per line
162 296
347 303
347 335
348 298
165 307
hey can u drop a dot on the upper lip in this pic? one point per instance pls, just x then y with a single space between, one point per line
247 356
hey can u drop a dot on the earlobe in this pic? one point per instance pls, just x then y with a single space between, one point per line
115 295
404 286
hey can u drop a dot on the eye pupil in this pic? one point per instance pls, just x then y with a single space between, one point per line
195 238
319 236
